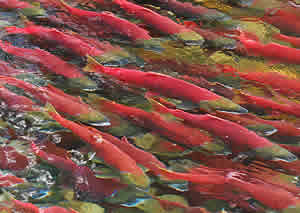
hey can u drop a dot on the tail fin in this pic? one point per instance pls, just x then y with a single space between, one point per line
93 65
51 111
25 20
158 107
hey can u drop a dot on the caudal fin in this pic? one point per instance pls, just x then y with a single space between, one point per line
93 65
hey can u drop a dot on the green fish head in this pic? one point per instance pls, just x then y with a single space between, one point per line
222 104
216 146
94 118
35 11
190 38
117 58
83 83
141 180
275 153
291 209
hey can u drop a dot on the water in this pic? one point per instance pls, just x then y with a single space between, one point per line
203 44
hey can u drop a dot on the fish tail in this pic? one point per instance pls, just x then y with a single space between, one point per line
49 108
92 64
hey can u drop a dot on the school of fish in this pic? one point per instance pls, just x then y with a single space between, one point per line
139 106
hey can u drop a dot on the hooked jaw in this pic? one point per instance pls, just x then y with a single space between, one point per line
222 104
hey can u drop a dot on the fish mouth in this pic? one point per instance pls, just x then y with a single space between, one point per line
193 42
270 132
263 129
243 110
100 124
288 158
239 110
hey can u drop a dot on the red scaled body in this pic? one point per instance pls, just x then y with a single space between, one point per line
287 20
11 159
104 149
277 81
96 187
271 51
75 43
173 130
283 128
295 41
22 207
51 62
168 86
289 108
17 102
51 34
225 129
240 138
271 196
63 102
159 22
14 4
9 180
163 84
194 178
141 157
106 20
